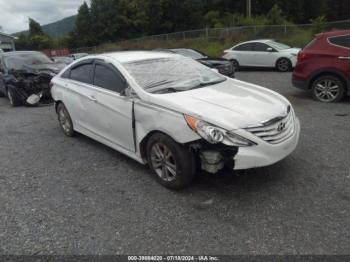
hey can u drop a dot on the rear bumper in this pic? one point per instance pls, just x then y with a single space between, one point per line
266 154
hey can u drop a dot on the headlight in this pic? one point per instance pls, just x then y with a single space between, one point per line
215 135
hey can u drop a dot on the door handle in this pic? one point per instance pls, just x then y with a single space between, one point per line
344 57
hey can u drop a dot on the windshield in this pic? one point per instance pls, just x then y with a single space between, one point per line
190 53
173 74
16 62
279 46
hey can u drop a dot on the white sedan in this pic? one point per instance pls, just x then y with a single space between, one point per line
263 53
171 112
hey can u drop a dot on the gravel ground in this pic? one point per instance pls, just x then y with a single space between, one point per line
61 195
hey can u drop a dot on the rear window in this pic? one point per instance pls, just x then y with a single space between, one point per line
343 41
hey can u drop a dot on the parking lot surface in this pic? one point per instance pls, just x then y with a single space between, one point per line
61 195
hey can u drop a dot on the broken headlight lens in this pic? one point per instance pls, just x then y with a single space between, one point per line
215 135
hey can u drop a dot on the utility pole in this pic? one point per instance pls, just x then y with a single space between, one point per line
249 8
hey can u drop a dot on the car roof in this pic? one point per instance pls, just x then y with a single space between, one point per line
334 33
133 56
258 40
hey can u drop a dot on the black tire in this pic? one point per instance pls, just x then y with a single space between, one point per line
2 94
284 65
235 64
64 120
180 158
328 89
13 98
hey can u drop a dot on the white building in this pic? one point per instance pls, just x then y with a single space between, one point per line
7 42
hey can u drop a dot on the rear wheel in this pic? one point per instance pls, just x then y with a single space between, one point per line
328 89
284 65
172 163
11 95
65 120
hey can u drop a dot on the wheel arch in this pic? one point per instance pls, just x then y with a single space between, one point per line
282 57
144 141
57 103
332 72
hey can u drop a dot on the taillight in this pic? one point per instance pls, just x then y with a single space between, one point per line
303 56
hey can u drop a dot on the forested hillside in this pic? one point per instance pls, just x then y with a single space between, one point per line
57 29
106 21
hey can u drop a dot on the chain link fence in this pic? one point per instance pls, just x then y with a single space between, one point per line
291 32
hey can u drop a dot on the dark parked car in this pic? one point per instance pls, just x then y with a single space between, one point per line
25 76
224 66
323 66
63 60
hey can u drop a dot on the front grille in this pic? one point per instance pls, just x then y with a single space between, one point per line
275 132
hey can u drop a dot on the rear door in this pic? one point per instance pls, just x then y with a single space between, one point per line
112 111
343 52
79 93
245 54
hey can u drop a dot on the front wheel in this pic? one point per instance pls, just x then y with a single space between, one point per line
65 120
328 89
172 163
284 65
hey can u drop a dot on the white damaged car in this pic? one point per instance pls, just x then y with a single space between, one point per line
174 114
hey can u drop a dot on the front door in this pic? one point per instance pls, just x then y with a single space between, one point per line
112 112
264 55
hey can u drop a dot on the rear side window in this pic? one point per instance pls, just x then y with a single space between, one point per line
107 78
244 47
82 73
343 41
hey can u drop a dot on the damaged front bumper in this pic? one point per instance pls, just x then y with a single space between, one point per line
214 157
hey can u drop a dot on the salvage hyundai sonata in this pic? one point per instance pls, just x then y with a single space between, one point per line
174 114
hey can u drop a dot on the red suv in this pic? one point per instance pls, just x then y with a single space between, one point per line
323 66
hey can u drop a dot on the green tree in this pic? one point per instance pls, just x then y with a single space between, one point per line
35 28
319 24
275 16
83 31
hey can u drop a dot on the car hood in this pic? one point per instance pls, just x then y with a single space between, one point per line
232 104
53 67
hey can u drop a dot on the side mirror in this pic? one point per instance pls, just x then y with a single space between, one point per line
269 49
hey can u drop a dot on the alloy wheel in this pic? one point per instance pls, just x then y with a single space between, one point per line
283 65
64 121
327 90
163 162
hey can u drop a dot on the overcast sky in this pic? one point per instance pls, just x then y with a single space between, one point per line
14 14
